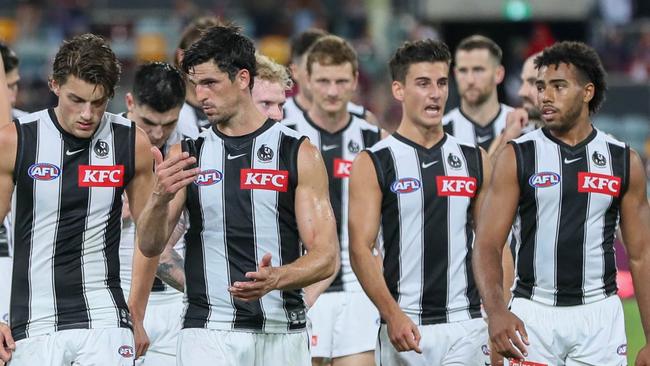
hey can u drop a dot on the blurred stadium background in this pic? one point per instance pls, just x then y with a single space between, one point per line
142 30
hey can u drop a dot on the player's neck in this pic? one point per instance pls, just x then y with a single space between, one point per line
576 134
245 121
483 113
303 102
330 122
426 136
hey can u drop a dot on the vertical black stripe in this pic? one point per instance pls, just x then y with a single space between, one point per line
475 169
449 128
240 237
435 240
332 148
618 160
526 166
390 220
198 310
123 151
290 247
23 229
72 310
370 137
569 270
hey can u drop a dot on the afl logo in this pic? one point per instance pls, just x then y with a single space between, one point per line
405 185
544 179
622 350
44 171
126 351
208 177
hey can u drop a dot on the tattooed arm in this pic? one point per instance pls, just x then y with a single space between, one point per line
171 265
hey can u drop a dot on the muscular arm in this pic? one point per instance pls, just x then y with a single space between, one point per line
171 265
635 227
8 147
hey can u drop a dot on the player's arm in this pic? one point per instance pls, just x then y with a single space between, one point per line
635 227
495 219
364 218
515 122
171 264
317 228
5 105
8 148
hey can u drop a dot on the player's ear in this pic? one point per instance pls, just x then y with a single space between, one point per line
398 90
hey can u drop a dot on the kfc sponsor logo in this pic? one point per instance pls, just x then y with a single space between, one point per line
101 175
599 183
514 362
405 185
126 351
272 180
44 171
342 168
208 177
456 186
544 179
314 340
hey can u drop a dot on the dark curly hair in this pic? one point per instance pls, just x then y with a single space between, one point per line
587 63
89 58
426 50
230 50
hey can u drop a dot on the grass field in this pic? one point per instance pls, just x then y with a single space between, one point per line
635 338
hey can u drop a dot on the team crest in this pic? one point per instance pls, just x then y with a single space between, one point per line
264 153
101 149
454 161
598 159
353 147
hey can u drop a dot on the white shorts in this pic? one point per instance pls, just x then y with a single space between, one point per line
591 334
228 348
461 343
342 324
77 347
5 288
162 323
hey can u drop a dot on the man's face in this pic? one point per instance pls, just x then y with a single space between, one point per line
332 86
81 106
424 93
528 91
561 97
13 77
477 75
217 94
269 97
158 125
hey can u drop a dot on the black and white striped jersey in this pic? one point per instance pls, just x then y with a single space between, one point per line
293 111
161 293
457 124
427 226
339 150
66 216
5 247
191 121
242 206
569 210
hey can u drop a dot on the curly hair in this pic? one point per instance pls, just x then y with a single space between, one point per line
587 63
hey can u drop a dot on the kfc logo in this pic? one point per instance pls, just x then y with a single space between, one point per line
101 176
514 362
456 186
599 183
342 168
272 180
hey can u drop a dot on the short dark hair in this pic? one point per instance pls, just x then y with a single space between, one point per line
332 50
230 50
158 85
301 43
587 63
412 52
192 32
9 58
479 42
89 58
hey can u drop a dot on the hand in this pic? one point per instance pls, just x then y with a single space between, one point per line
643 358
263 281
7 344
495 358
516 120
171 175
403 333
508 335
141 339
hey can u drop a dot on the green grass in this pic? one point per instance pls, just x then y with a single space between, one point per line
635 338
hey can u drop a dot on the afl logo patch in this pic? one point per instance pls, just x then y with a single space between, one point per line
126 351
622 350
44 171
405 185
544 179
208 177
